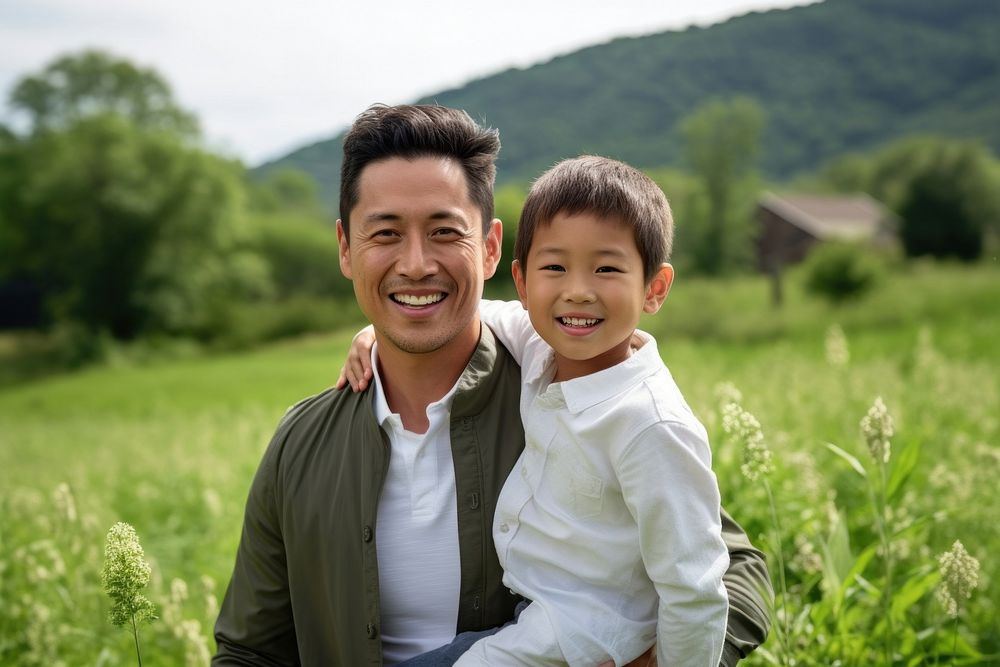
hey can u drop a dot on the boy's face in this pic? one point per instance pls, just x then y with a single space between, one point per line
584 289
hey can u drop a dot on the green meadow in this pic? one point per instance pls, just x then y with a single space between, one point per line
853 543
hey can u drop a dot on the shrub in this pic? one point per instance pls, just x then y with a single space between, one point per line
840 271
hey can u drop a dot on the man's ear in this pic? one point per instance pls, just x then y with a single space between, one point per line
518 273
344 250
493 243
658 288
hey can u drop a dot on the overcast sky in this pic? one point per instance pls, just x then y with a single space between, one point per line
267 77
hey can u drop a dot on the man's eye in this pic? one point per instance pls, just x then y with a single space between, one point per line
384 233
446 232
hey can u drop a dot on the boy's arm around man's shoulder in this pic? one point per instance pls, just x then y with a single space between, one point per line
750 594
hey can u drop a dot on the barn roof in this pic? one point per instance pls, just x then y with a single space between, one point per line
830 217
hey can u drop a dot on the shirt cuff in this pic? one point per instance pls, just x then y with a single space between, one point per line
730 655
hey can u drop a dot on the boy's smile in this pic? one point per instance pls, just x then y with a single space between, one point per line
584 289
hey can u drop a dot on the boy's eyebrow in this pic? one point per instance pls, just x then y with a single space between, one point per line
600 252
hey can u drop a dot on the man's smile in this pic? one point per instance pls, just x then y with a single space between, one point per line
417 300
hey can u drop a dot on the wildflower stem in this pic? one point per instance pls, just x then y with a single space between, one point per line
135 636
954 638
880 504
783 630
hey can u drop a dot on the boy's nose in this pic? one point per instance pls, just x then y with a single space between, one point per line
579 291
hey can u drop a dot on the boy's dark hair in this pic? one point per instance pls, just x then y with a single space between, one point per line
411 131
608 189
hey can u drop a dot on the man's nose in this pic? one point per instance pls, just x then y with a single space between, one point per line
416 259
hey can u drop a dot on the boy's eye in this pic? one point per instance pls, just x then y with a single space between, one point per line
552 267
608 269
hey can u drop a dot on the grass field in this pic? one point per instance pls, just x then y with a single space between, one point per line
170 447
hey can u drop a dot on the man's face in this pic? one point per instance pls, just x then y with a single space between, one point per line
417 256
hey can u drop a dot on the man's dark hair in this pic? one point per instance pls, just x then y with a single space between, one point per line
420 130
608 189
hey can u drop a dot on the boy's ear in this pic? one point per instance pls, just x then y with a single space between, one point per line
518 273
658 288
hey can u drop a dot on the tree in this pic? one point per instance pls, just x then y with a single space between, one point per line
286 189
120 223
946 192
91 83
124 230
949 203
721 141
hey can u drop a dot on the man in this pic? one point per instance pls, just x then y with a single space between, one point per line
367 534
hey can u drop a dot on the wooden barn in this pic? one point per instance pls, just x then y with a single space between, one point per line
790 225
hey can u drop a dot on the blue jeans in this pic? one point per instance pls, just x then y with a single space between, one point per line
447 655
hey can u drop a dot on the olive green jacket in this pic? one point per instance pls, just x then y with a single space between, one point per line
304 588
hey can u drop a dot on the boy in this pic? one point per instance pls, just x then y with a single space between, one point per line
609 523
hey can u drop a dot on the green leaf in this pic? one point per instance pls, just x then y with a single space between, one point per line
915 587
851 459
903 466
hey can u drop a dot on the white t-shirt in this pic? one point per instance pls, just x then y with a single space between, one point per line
610 520
417 533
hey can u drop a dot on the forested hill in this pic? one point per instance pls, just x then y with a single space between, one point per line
833 77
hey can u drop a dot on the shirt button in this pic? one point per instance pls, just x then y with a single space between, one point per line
524 472
366 534
504 527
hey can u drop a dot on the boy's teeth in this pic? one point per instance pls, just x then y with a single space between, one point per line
578 321
425 300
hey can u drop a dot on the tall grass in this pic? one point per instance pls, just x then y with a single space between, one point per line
171 447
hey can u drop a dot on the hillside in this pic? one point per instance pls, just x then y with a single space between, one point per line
838 76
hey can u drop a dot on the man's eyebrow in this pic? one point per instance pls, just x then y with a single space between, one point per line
380 216
447 215
388 216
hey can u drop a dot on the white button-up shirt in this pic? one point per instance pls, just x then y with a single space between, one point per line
610 520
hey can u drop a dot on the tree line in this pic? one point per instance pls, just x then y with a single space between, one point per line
116 223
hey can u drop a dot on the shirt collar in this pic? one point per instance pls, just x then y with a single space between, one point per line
381 406
585 392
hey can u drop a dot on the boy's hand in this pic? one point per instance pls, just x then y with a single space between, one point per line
357 370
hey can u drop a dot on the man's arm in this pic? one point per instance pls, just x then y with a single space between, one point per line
255 625
750 594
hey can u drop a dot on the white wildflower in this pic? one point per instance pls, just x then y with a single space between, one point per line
745 429
959 577
196 653
726 393
837 351
65 504
877 428
125 574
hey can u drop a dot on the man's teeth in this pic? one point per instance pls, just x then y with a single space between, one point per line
411 300
579 321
